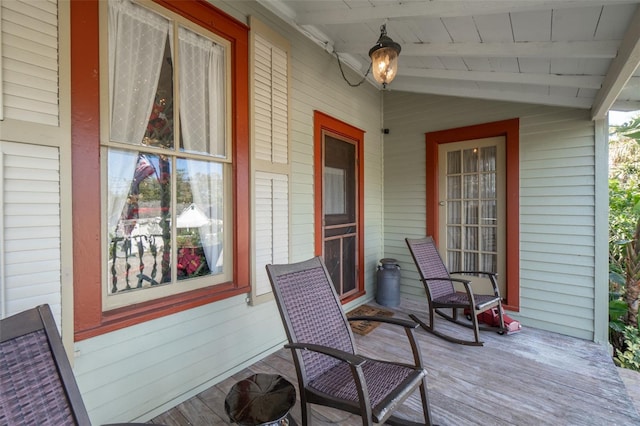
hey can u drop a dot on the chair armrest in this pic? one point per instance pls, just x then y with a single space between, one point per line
395 321
458 280
350 359
474 272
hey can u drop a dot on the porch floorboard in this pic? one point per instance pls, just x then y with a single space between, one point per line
533 377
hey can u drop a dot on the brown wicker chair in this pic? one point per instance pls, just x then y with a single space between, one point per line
330 371
37 385
441 294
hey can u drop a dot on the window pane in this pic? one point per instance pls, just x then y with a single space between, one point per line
199 223
470 160
489 263
489 214
202 94
453 163
454 260
139 211
454 190
490 239
470 261
453 212
454 237
488 159
471 212
470 238
488 185
471 186
159 132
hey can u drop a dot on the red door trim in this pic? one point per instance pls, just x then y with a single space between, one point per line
323 122
510 129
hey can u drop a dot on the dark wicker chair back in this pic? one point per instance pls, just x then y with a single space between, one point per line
430 264
329 370
37 386
441 293
312 308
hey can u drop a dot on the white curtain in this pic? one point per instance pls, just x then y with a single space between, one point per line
137 39
121 166
206 187
202 106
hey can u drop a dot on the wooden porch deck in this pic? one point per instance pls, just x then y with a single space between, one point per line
529 378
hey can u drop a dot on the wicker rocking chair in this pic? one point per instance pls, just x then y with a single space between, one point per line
330 371
441 294
37 385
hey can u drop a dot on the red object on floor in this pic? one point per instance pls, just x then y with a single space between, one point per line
491 318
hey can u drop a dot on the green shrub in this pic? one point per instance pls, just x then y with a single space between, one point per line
630 356
617 311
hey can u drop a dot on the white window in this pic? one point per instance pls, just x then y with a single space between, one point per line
167 157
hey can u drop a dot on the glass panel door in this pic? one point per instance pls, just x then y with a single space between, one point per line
472 208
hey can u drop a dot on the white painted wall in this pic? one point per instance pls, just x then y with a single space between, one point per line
559 224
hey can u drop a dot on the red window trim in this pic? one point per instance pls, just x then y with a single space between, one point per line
323 122
89 319
510 129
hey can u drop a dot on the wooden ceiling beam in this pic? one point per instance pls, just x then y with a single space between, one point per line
499 95
620 71
604 49
437 9
575 81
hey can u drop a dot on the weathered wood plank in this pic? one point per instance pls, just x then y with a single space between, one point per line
530 378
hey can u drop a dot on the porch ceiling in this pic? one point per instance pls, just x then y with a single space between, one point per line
573 53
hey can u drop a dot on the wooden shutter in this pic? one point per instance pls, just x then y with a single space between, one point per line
29 61
270 147
30 254
271 225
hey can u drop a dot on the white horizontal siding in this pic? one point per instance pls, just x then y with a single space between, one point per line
30 61
557 200
31 255
141 368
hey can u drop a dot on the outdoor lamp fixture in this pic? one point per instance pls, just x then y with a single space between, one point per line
384 60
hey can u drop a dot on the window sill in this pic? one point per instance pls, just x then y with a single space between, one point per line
131 315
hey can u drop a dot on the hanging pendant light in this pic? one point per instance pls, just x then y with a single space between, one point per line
384 58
